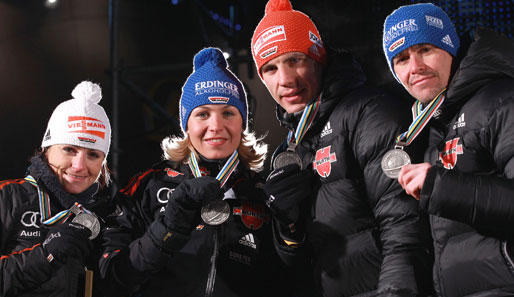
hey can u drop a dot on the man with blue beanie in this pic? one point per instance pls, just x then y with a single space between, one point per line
464 114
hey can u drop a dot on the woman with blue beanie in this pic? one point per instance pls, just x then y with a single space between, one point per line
196 224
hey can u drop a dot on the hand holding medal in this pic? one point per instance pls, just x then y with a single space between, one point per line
395 159
218 211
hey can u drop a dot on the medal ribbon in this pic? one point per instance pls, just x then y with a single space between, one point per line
309 112
420 118
225 172
44 206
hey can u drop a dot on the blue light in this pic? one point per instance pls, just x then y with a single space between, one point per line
174 2
238 27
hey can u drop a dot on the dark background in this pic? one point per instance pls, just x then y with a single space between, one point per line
140 52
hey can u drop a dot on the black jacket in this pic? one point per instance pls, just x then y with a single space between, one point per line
246 263
24 269
470 190
365 233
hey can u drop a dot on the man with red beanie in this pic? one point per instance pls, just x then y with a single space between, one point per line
335 211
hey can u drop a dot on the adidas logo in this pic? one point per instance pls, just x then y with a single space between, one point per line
460 122
326 130
447 40
248 240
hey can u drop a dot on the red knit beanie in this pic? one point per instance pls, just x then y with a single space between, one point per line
283 30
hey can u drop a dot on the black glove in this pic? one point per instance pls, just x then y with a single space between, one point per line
286 188
67 240
182 213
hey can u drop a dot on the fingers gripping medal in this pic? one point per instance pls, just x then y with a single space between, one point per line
86 219
395 159
289 156
218 211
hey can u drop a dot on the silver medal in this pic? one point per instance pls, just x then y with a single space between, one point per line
89 221
215 212
393 161
287 158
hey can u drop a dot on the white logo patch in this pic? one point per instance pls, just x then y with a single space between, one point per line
460 122
30 219
435 22
165 193
447 40
248 240
326 130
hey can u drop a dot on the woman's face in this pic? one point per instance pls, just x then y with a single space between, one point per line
76 167
215 130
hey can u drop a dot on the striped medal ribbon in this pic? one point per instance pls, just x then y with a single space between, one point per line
394 159
218 211
82 215
289 156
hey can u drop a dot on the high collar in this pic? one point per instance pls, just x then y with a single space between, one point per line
46 178
484 55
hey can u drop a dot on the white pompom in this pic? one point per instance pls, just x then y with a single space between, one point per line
87 91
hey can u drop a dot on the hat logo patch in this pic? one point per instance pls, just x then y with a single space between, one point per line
447 40
269 36
314 49
315 39
397 44
269 52
219 100
87 125
217 87
85 139
399 29
435 22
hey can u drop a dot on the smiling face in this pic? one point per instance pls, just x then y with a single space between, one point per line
77 168
215 130
293 79
424 70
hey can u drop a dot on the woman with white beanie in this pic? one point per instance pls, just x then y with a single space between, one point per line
50 219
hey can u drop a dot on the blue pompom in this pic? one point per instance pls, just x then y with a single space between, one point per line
212 55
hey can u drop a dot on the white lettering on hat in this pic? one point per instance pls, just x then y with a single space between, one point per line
433 21
397 44
268 36
87 125
447 40
216 86
399 29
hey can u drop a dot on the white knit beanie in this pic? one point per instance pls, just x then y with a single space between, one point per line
80 121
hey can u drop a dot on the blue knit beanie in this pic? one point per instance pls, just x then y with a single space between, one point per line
211 83
415 24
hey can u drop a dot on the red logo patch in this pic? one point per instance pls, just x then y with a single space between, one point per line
449 155
172 172
323 161
253 215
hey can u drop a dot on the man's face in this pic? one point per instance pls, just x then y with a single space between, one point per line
293 79
424 70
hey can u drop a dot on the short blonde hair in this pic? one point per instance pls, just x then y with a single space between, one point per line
252 150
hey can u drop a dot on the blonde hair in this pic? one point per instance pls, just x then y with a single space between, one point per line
252 150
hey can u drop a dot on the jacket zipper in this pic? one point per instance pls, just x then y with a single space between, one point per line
212 273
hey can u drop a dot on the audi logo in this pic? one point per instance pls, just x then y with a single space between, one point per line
166 197
31 219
